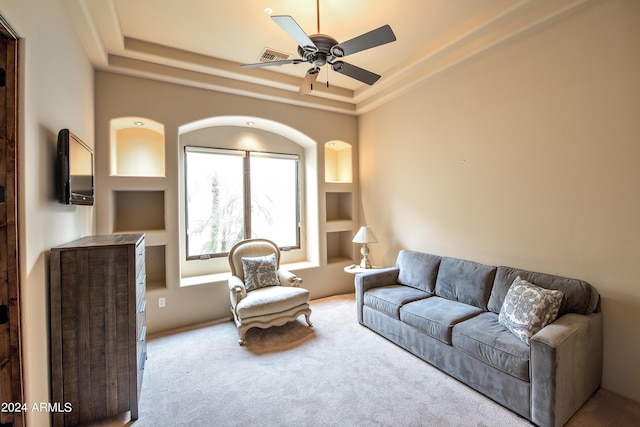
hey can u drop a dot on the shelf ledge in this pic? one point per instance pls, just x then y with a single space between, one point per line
207 279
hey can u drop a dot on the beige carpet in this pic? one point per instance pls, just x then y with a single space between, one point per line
335 374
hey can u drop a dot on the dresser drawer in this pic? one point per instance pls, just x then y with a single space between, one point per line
141 352
140 254
142 344
141 323
141 287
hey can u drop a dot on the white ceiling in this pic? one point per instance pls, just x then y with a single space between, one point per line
203 42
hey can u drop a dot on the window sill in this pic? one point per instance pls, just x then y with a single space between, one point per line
207 279
204 279
296 266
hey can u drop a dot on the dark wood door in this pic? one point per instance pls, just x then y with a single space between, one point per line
11 396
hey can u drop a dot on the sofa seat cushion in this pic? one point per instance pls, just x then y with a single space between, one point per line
436 316
484 338
272 299
389 299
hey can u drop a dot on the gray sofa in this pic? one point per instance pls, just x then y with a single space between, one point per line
445 311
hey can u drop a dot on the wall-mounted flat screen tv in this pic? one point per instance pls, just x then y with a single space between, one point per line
74 170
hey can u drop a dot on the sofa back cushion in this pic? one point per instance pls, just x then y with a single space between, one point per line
418 270
465 281
579 296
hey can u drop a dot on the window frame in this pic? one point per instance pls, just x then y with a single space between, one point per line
246 192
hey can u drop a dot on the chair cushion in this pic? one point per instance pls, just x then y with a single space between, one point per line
260 272
389 299
271 300
436 316
528 308
484 338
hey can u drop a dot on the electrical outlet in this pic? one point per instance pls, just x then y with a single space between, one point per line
161 302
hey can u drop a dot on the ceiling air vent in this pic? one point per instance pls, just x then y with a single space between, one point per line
270 55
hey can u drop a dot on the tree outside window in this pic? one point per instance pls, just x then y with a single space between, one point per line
233 195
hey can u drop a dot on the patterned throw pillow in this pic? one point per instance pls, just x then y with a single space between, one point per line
260 272
528 308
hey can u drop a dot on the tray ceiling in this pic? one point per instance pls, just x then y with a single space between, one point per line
203 42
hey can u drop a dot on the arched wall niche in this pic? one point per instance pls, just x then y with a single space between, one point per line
137 147
337 162
248 125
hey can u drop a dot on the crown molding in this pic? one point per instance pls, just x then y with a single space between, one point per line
98 28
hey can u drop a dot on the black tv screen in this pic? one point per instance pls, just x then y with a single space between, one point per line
74 170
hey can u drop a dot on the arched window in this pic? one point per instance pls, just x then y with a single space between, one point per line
245 177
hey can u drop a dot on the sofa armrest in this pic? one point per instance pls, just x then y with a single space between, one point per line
373 279
566 367
237 291
287 278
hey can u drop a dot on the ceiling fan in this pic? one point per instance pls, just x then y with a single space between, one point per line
321 49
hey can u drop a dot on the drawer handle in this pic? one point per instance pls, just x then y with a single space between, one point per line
143 334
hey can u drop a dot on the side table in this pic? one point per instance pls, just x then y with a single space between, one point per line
356 269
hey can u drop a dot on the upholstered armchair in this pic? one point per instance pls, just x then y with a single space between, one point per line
263 295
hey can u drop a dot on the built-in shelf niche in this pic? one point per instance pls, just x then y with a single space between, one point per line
137 147
337 162
138 210
338 206
155 264
339 247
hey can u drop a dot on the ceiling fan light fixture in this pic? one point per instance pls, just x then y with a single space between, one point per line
337 51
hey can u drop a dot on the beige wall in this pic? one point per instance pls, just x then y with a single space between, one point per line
56 92
175 106
527 157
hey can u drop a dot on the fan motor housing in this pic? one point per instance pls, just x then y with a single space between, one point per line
323 43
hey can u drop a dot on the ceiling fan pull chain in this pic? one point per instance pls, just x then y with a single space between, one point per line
327 77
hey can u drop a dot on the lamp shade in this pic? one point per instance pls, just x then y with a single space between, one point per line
365 235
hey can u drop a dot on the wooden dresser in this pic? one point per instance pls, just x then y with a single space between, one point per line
98 330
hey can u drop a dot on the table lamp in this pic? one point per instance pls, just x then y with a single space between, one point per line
364 236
